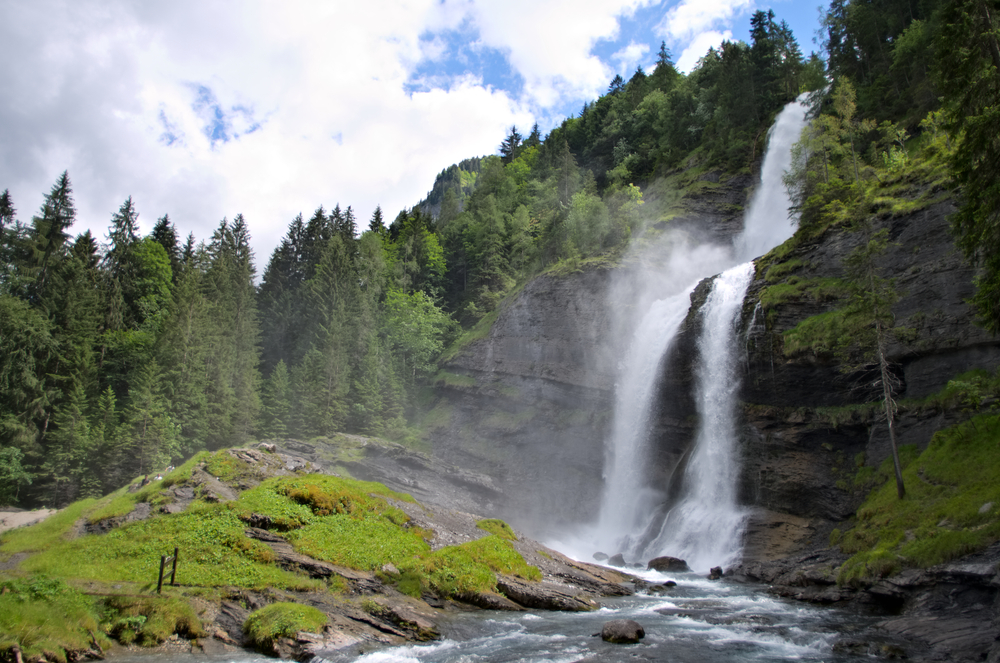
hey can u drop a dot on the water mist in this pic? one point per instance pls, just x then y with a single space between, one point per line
705 524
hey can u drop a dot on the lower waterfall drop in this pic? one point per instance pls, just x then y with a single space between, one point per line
705 528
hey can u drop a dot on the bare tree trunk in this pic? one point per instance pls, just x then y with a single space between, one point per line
890 413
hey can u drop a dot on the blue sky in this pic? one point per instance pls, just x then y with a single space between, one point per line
202 109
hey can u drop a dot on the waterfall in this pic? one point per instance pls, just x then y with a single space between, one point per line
705 526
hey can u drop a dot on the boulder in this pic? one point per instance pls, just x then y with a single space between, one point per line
600 557
617 560
622 632
715 573
668 565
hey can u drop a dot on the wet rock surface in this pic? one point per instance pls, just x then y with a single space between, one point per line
949 612
622 632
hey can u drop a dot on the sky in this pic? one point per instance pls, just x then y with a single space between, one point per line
203 109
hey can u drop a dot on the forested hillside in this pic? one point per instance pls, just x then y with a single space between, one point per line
120 354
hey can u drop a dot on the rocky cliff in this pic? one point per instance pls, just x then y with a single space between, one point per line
806 429
530 404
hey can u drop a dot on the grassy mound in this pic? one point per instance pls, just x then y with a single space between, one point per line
281 620
342 521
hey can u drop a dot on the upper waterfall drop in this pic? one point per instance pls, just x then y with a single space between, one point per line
628 519
768 221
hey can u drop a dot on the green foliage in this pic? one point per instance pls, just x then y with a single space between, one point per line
214 552
945 513
497 527
44 617
149 621
471 567
281 620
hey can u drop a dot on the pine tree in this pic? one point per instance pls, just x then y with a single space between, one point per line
49 231
969 71
376 224
165 235
510 148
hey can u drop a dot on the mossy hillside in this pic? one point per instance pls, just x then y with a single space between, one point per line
44 617
124 499
951 508
281 620
497 527
472 566
347 522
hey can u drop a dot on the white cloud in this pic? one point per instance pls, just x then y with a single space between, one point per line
311 95
107 83
629 57
549 43
698 46
691 18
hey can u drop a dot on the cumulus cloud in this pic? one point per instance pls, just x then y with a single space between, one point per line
692 18
698 46
204 109
630 56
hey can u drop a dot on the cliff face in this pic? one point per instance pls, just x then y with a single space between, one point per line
530 404
802 436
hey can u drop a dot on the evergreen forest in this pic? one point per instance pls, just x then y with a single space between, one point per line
121 354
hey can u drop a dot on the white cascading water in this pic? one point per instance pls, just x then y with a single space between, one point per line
706 526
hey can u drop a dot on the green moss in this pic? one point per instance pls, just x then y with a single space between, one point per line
498 527
149 621
448 379
478 331
44 616
942 516
230 469
472 566
282 620
819 335
781 270
795 289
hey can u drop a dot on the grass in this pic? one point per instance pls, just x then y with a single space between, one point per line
50 532
471 567
214 552
795 288
343 521
946 512
497 527
819 335
448 379
281 620
122 501
45 617
149 621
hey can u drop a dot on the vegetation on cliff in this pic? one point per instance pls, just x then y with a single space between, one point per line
952 506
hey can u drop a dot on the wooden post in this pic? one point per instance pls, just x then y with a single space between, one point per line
163 567
173 572
159 583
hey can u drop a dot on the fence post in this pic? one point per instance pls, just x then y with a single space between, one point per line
173 572
159 583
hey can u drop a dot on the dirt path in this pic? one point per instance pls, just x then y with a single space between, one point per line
12 519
